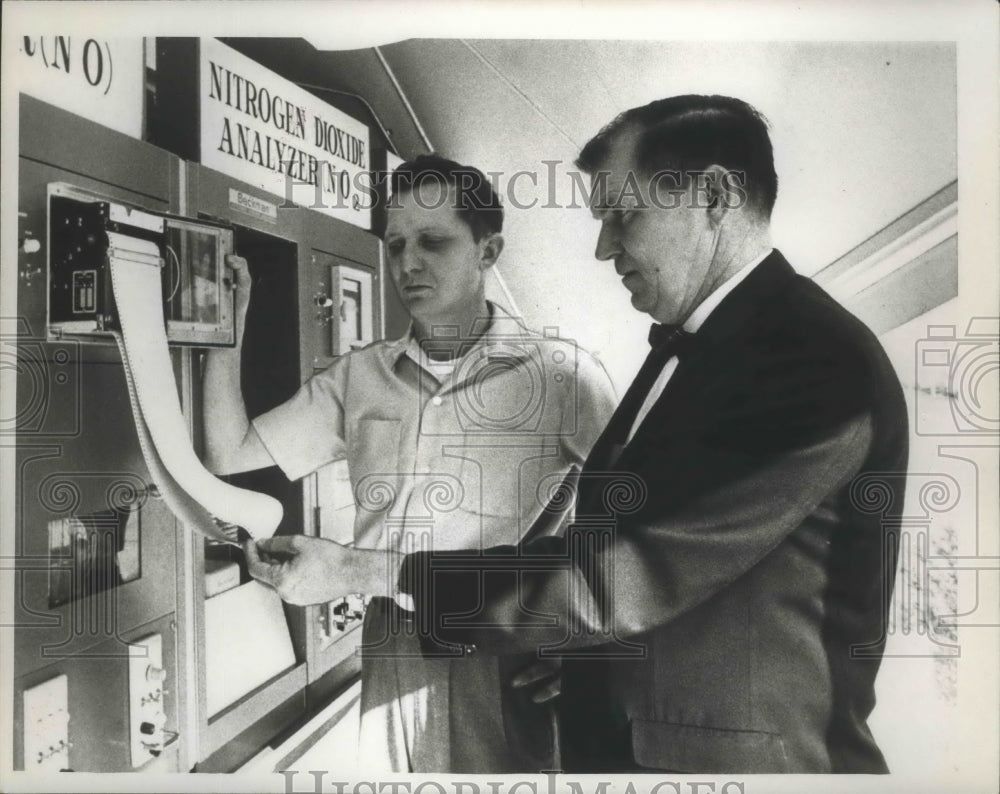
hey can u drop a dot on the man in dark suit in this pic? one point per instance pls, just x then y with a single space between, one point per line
719 600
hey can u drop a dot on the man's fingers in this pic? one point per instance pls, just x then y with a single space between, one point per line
241 270
282 544
236 262
538 671
250 552
258 569
542 677
548 692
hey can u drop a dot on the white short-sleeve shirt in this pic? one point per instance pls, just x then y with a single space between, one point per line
465 458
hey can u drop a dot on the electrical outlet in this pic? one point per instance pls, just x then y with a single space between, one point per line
146 694
346 611
46 726
335 617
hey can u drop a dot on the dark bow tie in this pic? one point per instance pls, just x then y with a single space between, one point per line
670 340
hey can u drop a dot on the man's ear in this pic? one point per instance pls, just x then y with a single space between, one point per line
491 246
721 191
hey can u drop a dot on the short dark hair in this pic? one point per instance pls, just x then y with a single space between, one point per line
476 202
687 134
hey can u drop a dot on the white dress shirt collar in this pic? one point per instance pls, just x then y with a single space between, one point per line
691 325
707 306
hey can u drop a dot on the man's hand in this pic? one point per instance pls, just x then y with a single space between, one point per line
241 283
307 570
544 676
304 570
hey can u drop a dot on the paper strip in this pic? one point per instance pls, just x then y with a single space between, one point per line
191 492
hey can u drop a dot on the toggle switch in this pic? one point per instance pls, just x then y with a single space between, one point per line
156 675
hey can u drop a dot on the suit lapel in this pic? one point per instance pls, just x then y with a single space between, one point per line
609 445
718 349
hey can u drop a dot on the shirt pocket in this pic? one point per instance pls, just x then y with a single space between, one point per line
498 478
507 482
374 465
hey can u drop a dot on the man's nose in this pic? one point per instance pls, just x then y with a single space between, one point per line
608 242
410 260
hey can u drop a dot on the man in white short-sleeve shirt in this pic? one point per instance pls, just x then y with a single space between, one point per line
455 436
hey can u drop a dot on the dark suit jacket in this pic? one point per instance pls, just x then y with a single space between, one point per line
719 600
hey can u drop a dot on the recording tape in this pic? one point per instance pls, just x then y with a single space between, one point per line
190 491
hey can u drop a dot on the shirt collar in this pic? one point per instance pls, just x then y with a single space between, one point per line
501 326
709 305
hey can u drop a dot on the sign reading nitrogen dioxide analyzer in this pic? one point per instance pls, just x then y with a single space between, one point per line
266 131
96 78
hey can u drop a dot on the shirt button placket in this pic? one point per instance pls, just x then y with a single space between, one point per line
429 436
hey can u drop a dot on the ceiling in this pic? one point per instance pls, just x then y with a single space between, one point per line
862 131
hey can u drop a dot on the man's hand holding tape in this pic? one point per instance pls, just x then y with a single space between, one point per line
308 570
